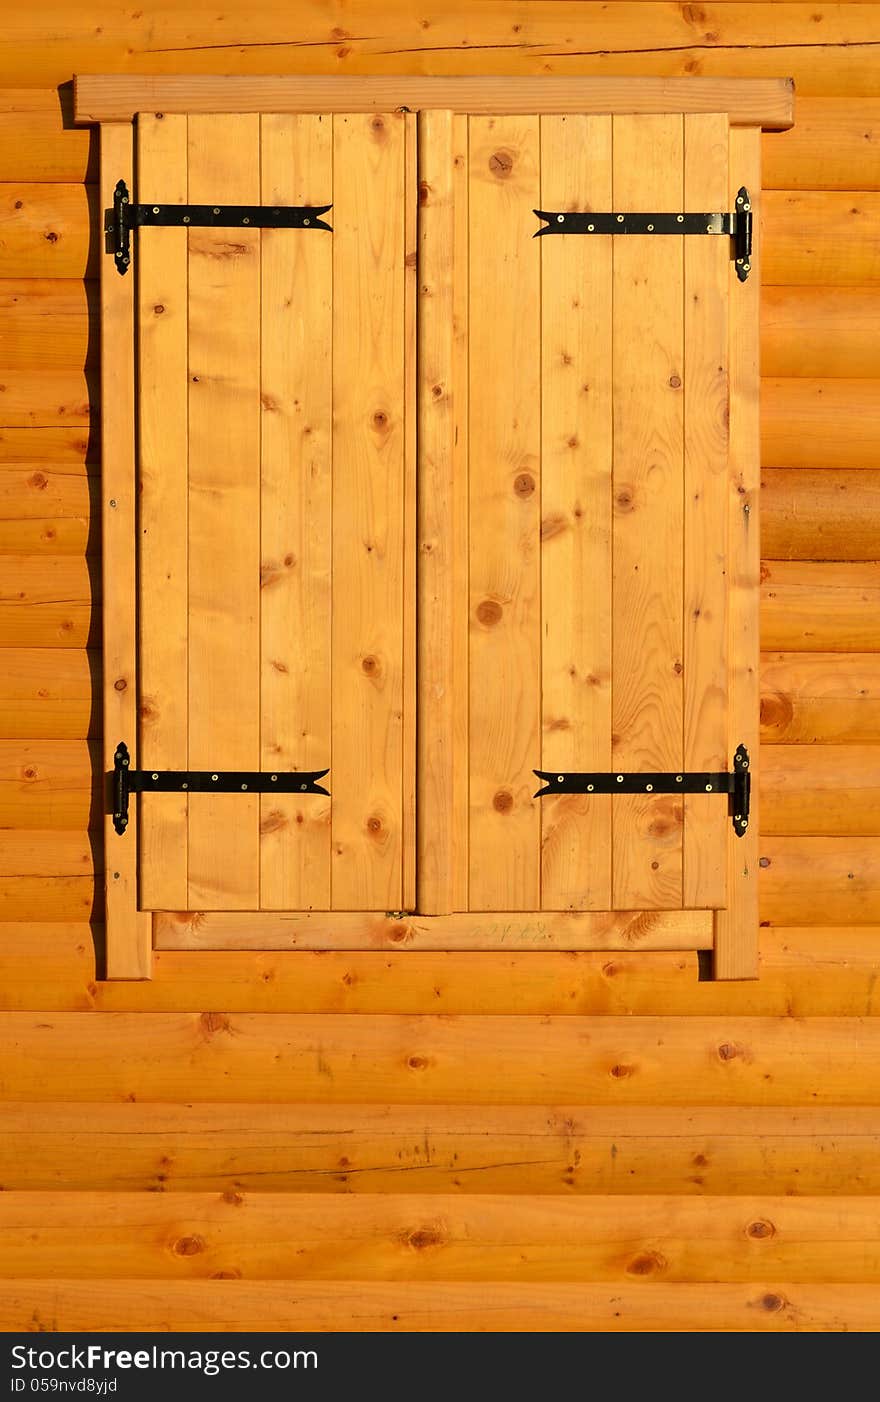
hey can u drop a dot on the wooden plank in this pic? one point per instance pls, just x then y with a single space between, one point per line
296 477
804 972
409 663
442 789
51 445
824 237
163 436
820 332
438 1237
830 147
820 423
706 833
736 930
825 697
49 784
46 601
809 607
647 691
820 515
128 933
47 510
383 1307
47 230
368 514
57 852
462 1149
504 440
40 398
49 693
117 97
576 467
36 146
36 898
345 1058
360 930
46 323
820 790
296 485
816 880
224 513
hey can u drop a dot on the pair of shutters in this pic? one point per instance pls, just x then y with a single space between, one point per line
432 504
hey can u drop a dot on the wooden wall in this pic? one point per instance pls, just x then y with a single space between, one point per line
611 1142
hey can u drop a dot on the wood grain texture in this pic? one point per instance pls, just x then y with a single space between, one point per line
47 601
47 230
341 1058
576 514
819 880
807 607
823 237
371 1307
504 438
810 514
820 332
51 445
117 97
437 1237
48 323
49 693
49 784
41 398
824 971
38 141
464 931
47 510
825 697
820 790
558 1150
832 146
820 423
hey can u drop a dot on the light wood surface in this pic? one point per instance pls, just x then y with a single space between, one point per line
830 697
809 514
808 607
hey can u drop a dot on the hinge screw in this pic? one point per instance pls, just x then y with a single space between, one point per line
155 209
560 218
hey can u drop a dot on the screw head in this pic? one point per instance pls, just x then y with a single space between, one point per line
680 218
560 778
303 787
307 222
215 777
560 218
186 219
620 218
155 209
154 776
649 788
620 778
591 227
589 788
708 788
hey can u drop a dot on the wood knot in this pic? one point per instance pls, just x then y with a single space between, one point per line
377 125
380 420
374 826
424 192
700 1161
437 391
422 1238
188 1246
158 309
273 822
501 164
417 1063
489 612
675 382
503 801
370 666
620 1071
38 480
760 1229
524 484
772 1303
646 1263
552 526
624 500
120 684
29 772
763 861
729 1051
232 1197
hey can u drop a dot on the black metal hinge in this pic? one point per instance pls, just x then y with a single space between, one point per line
737 785
128 781
737 225
125 216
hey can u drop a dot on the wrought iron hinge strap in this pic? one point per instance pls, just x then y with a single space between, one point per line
128 781
737 225
126 216
737 785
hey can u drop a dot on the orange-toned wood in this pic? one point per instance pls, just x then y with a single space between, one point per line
128 946
820 423
49 601
820 789
820 331
827 697
49 693
296 524
822 237
47 510
807 607
647 369
820 880
47 229
831 146
809 514
50 784
48 323
117 97
576 504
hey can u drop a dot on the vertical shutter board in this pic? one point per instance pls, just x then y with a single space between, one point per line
409 662
296 294
442 788
368 510
736 928
576 461
163 510
647 531
505 493
224 512
707 403
129 934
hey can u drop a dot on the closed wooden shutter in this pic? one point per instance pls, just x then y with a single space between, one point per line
272 391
